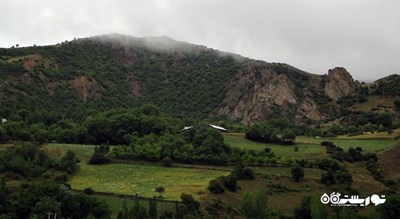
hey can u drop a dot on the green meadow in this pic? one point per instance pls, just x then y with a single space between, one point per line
309 147
134 179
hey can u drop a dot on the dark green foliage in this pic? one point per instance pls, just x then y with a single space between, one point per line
329 164
190 204
388 86
38 199
88 191
216 187
334 151
152 209
26 159
230 182
69 163
328 178
166 162
159 190
332 177
138 211
254 205
297 173
372 167
178 211
266 132
240 172
158 77
99 155
397 105
310 208
391 208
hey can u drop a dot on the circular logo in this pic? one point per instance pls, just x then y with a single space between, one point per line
335 198
325 199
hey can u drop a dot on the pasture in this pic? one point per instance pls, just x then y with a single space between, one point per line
309 147
83 152
143 179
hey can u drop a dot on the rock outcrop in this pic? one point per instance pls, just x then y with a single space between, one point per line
339 84
308 109
255 92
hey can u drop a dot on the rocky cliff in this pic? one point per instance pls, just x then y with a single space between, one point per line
255 91
339 84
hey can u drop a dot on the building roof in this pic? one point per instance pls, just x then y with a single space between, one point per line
187 128
218 127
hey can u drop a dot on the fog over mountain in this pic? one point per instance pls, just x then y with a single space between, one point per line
315 36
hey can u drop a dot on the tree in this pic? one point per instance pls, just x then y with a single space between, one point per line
215 186
69 162
317 209
254 205
138 211
2 134
190 203
160 190
178 211
391 208
297 173
289 136
303 211
397 105
153 208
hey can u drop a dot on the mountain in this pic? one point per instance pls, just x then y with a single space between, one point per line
183 79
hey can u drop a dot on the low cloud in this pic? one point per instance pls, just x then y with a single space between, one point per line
313 35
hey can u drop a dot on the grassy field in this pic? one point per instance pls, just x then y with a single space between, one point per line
143 179
310 147
83 152
6 146
306 150
374 101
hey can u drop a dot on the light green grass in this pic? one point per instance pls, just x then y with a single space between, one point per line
306 150
309 147
83 152
143 179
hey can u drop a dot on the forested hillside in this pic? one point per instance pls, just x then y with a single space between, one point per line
81 77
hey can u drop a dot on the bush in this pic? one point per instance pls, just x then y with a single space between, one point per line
166 162
328 178
88 191
216 187
230 182
297 173
98 159
327 143
62 178
190 203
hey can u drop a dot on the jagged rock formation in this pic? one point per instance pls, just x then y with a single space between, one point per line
255 91
339 84
308 110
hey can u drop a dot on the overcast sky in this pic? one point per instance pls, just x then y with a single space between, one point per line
314 35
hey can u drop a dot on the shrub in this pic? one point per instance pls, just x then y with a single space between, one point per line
297 173
216 187
88 191
166 162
